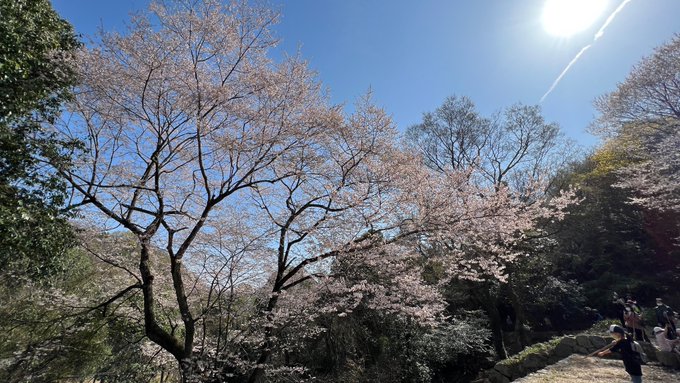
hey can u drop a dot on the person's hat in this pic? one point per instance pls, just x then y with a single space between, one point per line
659 300
614 328
658 330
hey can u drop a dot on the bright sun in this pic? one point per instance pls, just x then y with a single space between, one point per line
567 17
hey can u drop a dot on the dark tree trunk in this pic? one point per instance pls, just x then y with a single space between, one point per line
496 329
257 375
520 316
489 302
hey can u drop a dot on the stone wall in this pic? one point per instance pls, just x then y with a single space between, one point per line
541 355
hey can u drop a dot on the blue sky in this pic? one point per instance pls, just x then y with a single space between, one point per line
415 53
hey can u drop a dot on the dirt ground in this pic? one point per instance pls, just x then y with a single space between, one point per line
576 368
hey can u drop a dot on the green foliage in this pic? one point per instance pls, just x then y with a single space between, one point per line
34 43
35 77
542 294
51 333
605 161
124 360
33 240
42 340
607 244
368 347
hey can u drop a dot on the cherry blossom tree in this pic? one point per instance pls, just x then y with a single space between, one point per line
182 114
515 150
648 96
237 179
643 114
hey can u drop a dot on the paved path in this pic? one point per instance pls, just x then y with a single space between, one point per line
576 368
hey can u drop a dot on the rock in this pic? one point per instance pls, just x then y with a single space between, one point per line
568 341
650 350
668 359
496 377
597 342
581 350
511 370
535 362
553 358
584 341
563 350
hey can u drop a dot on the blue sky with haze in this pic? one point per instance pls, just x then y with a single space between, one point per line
415 53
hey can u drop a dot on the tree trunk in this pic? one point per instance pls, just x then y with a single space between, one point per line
488 302
182 351
186 374
257 375
496 329
520 316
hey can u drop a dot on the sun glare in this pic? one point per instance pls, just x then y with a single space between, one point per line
567 17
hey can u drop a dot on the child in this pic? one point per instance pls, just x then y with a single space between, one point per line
623 344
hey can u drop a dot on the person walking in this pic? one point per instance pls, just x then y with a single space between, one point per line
623 344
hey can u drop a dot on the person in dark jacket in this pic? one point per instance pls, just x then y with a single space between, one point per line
618 304
623 344
665 317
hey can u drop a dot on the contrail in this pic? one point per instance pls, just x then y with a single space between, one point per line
572 62
599 34
610 18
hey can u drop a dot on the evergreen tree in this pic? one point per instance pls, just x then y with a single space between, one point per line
35 78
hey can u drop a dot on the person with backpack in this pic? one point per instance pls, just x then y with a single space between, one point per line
665 317
634 306
624 344
633 321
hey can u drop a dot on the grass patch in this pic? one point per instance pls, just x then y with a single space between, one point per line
538 348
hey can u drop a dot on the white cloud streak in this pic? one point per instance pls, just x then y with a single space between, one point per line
599 34
571 63
610 18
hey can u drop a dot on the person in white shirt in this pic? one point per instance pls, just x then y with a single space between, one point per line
664 343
